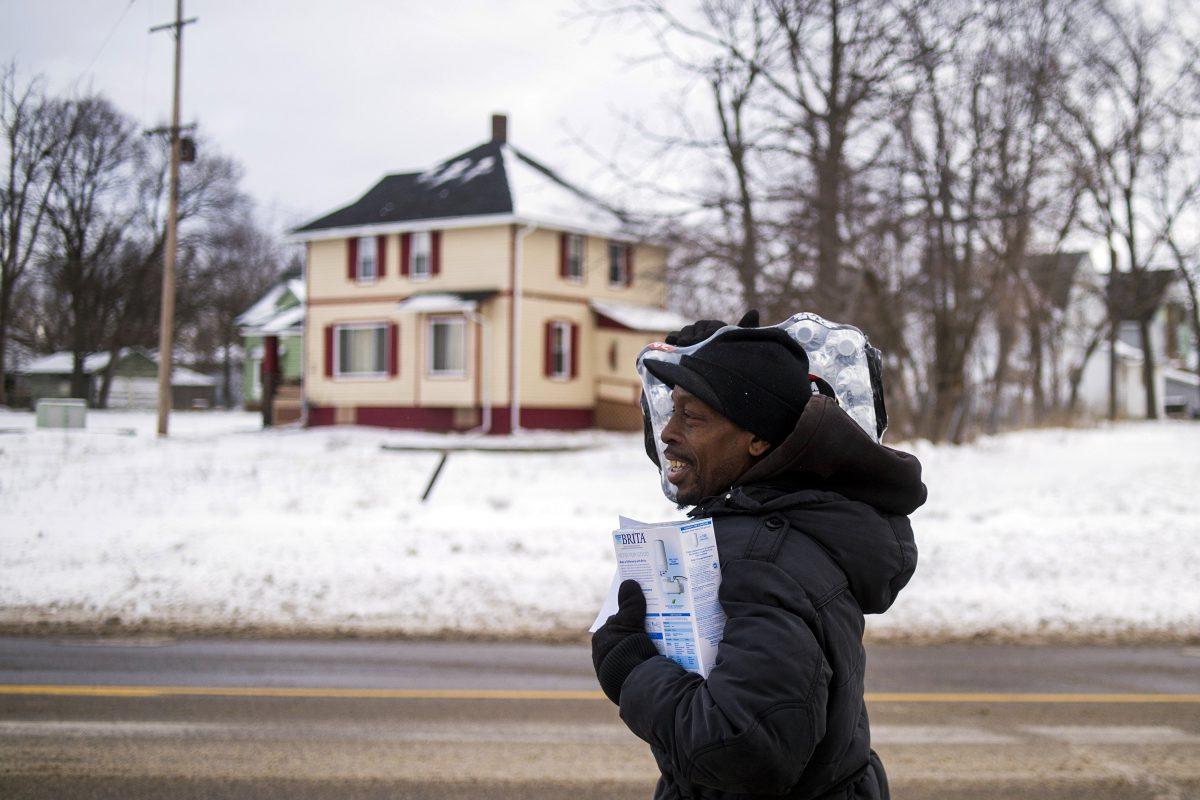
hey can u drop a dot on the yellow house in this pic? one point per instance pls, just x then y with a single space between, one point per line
485 293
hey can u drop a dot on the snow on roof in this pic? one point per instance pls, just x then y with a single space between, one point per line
63 363
182 376
1129 352
265 308
443 302
462 170
541 196
492 183
640 318
1181 376
282 321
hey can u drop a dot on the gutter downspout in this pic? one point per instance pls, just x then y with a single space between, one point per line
514 411
304 344
485 421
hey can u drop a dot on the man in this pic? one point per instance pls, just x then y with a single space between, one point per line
811 527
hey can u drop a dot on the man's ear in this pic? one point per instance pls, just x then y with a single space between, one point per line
758 446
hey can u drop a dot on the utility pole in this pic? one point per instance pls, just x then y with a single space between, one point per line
167 316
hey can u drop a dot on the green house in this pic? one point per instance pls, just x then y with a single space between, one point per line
274 328
134 382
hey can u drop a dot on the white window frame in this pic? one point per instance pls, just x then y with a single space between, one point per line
368 253
443 319
337 351
575 251
623 261
420 243
565 327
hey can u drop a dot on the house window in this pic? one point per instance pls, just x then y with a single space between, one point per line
255 391
574 270
362 350
560 350
421 264
618 264
366 268
447 346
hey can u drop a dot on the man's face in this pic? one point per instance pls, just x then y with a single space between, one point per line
705 452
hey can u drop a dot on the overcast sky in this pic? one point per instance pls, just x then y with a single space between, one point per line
319 99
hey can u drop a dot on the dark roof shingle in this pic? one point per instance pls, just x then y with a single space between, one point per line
1138 295
1054 274
472 183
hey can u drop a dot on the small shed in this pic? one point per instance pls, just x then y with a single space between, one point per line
134 384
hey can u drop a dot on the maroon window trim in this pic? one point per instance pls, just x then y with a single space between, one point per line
629 265
381 256
563 254
405 253
548 349
352 258
328 351
574 349
435 253
393 349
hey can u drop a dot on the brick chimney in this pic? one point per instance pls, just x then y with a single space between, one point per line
500 128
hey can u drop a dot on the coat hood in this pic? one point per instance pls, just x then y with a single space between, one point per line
841 488
828 450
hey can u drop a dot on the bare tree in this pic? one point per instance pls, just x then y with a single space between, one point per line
1177 203
238 263
1137 85
89 213
895 163
800 92
33 131
209 198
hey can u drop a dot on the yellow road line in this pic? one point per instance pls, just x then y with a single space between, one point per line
78 690
1018 697
297 691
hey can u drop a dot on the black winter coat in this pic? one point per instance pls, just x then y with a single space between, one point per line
813 537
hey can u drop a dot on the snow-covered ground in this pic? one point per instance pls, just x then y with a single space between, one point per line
1074 534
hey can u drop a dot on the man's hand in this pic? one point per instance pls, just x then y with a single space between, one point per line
621 643
700 330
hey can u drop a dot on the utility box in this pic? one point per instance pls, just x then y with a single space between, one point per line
67 412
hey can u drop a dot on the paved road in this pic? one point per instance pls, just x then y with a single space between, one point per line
242 719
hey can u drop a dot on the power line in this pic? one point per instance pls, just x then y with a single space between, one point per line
111 32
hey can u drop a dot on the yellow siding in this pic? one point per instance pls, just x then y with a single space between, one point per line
479 259
472 258
413 386
620 384
537 389
499 368
618 392
628 345
325 391
541 259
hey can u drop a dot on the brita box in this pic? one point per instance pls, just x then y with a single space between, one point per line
677 567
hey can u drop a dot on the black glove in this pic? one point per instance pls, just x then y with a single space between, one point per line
700 330
621 643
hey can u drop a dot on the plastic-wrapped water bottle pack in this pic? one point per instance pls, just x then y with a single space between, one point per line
838 354
841 355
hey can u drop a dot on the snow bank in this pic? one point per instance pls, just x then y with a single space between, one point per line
1079 534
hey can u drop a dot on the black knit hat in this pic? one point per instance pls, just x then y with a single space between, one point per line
757 378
